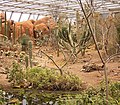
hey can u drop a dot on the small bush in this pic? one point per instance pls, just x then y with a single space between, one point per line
50 79
16 74
1 97
94 96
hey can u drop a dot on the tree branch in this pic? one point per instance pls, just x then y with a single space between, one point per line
61 72
95 42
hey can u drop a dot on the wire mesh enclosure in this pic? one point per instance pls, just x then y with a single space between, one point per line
55 7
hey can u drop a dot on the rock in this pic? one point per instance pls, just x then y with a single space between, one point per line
82 69
1 57
22 54
88 67
115 74
37 47
16 53
17 86
14 101
8 53
2 70
1 52
35 63
51 102
24 102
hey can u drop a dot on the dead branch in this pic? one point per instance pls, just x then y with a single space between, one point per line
61 72
95 42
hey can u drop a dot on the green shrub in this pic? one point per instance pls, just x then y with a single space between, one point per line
114 91
94 96
50 79
16 74
2 97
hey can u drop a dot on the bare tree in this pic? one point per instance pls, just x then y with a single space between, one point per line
95 42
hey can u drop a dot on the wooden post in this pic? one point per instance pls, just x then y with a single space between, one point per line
0 25
8 31
5 25
14 30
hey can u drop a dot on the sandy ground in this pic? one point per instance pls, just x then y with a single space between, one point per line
90 78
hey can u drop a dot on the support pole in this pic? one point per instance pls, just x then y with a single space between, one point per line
11 15
20 16
29 16
37 17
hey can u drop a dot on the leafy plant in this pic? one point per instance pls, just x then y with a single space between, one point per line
90 96
1 97
16 74
49 79
93 96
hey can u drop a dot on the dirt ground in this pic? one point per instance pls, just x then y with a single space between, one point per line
92 78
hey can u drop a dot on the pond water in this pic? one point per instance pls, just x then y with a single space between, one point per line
35 97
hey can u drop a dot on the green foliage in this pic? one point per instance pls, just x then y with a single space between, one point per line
23 40
49 79
1 97
30 52
114 91
90 96
94 96
72 37
16 74
65 35
26 61
43 78
85 37
118 35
